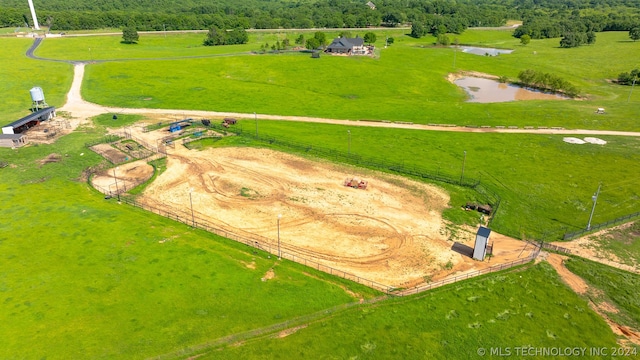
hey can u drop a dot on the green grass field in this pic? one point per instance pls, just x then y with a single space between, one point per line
621 244
84 277
526 308
616 286
358 88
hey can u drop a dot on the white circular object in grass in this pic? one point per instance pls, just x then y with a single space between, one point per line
593 140
572 140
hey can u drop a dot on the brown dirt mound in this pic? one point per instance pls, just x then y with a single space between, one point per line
51 158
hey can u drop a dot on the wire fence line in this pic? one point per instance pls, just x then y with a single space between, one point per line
255 241
269 245
604 225
297 321
454 279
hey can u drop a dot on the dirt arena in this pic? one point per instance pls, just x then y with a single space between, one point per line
392 232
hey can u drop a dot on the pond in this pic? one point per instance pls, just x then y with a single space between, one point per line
483 51
483 90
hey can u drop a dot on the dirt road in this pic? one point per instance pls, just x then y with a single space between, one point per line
82 109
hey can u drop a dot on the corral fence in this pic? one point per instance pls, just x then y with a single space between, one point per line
454 279
556 248
255 241
604 225
103 140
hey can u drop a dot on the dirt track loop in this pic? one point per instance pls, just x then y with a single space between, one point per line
392 232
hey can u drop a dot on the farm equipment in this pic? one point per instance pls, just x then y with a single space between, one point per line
356 183
485 209
229 121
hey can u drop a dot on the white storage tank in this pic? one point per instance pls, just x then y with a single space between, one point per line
37 95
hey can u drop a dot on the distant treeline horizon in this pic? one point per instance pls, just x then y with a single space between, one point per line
541 18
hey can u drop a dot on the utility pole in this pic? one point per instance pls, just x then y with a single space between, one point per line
632 85
464 159
593 209
349 147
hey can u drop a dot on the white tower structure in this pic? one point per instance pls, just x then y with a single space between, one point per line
33 15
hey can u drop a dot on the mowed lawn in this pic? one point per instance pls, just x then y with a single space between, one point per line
406 83
85 277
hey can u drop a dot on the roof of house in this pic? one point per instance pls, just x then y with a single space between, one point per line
31 117
11 136
345 43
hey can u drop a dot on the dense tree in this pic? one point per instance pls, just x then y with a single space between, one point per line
370 38
215 36
300 40
390 41
591 37
130 34
321 38
542 18
634 33
525 39
418 30
546 81
236 36
312 43
443 39
628 78
573 39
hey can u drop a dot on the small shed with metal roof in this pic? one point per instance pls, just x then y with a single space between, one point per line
482 241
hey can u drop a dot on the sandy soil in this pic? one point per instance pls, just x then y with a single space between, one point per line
392 233
127 176
588 247
110 153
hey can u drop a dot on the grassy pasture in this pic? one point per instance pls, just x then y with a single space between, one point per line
617 286
406 83
82 277
19 74
624 243
531 307
545 183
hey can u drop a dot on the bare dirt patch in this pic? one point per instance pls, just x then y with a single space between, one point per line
390 233
287 332
127 176
270 274
575 282
110 153
51 158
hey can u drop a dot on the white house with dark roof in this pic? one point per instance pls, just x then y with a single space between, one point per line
348 46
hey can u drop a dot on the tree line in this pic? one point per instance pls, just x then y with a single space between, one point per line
259 14
541 18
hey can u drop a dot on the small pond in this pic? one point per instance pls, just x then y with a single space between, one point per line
483 51
483 90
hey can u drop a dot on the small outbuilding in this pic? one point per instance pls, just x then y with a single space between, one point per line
29 121
13 140
482 242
